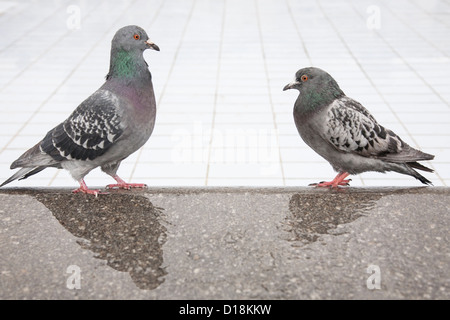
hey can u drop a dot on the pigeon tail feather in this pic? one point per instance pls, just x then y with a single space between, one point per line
419 177
31 162
419 166
408 155
27 159
35 157
23 174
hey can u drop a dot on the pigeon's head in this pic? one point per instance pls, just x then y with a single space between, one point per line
312 79
132 38
317 88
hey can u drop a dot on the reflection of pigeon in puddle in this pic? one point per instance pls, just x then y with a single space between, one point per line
312 214
124 230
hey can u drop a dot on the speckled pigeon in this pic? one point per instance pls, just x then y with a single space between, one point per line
115 121
343 132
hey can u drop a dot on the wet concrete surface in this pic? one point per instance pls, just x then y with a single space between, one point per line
225 243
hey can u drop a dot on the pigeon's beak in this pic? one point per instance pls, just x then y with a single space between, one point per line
152 45
290 85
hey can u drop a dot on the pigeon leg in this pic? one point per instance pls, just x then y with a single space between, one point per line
338 181
84 189
123 185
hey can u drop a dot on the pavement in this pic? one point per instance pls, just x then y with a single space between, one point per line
225 243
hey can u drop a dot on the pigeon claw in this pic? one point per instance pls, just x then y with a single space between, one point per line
121 184
126 186
84 189
339 181
95 192
331 184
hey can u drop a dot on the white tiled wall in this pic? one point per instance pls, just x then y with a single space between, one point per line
223 119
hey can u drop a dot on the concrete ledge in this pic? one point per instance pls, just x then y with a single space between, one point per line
225 243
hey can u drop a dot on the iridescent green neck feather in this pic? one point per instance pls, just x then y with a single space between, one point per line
126 65
311 100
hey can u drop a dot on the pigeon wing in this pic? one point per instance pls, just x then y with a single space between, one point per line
351 128
88 132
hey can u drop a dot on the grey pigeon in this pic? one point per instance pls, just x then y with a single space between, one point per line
343 132
115 121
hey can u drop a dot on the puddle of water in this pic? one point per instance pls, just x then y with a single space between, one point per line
124 230
312 215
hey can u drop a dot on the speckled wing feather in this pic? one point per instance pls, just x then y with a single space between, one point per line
351 128
89 131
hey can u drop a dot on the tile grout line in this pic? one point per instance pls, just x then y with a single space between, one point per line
261 41
177 51
364 71
72 72
298 32
220 110
160 98
418 76
293 133
355 59
406 62
430 14
34 61
139 152
13 15
300 147
216 93
416 32
297 29
32 28
47 99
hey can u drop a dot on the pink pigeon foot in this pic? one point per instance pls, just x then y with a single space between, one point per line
338 181
124 185
84 189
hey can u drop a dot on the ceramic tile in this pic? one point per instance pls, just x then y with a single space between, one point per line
218 81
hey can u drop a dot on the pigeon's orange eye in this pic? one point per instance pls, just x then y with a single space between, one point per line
304 78
136 37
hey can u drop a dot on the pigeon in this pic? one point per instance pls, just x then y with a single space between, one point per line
345 134
112 123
